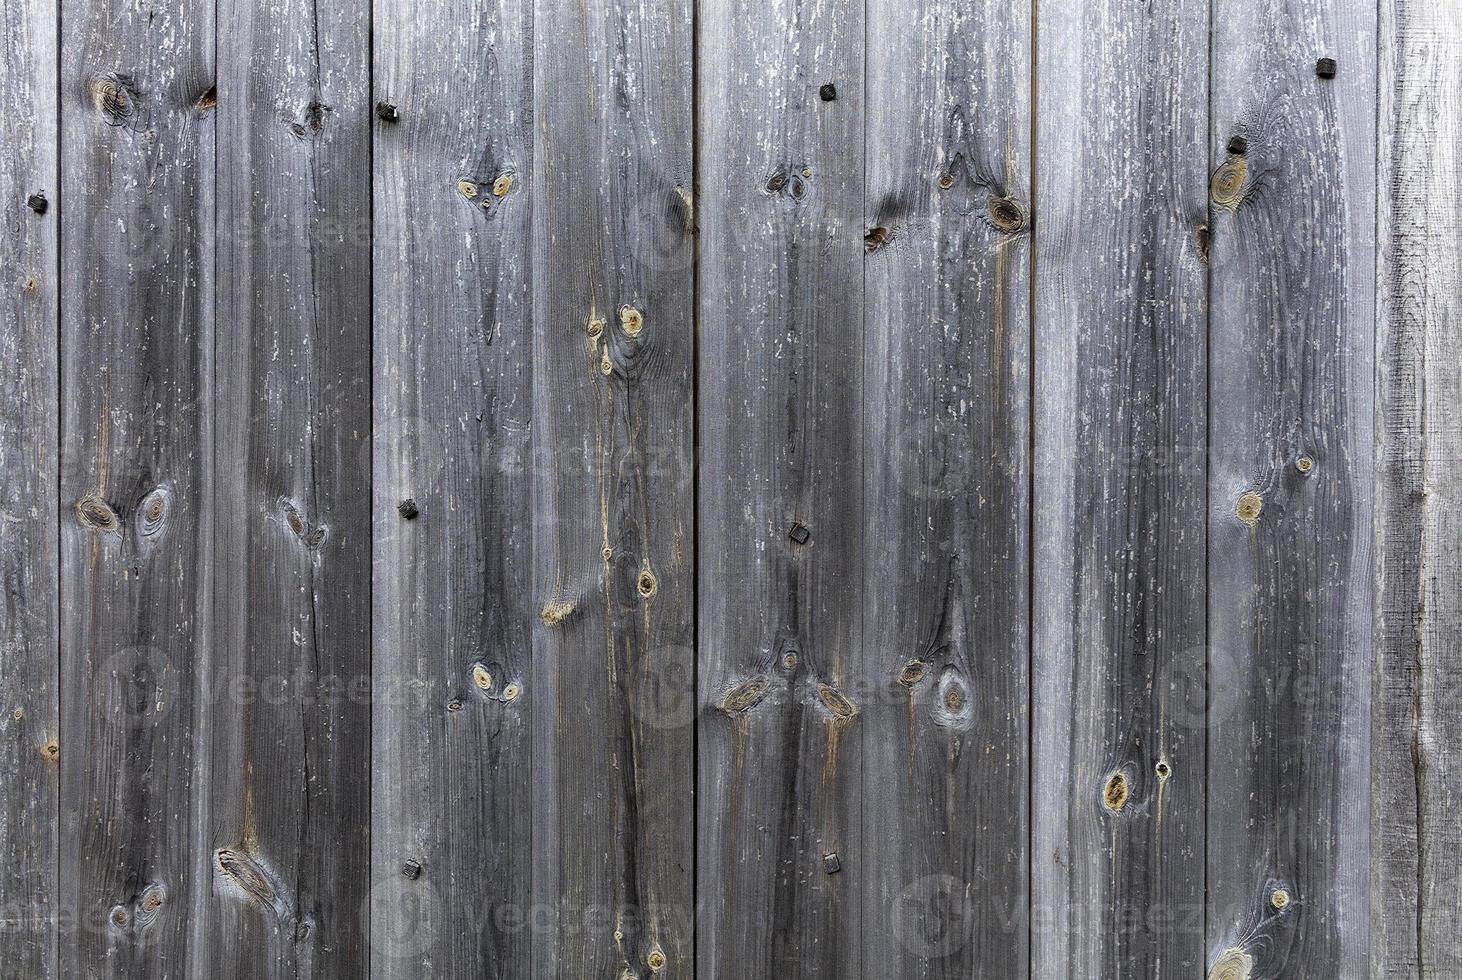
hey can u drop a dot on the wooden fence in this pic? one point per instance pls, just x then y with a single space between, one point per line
796 489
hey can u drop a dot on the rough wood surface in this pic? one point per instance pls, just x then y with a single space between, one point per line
29 444
1120 315
455 795
136 378
1416 781
613 510
781 216
947 429
1048 600
1290 488
287 712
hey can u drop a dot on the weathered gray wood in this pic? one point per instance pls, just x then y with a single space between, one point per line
1118 778
288 722
612 487
1416 779
136 346
29 442
456 794
1290 488
782 679
946 568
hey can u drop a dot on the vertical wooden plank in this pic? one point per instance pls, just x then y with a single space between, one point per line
29 442
781 868
289 718
947 423
612 490
1416 893
455 793
1120 364
1291 487
136 346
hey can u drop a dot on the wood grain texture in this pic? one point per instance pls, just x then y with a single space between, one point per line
29 444
455 792
1416 892
947 550
782 679
1120 410
1290 488
288 716
136 382
612 489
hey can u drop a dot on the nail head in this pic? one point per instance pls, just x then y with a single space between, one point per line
830 863
799 532
407 509
1326 68
386 112
411 869
1238 146
828 92
37 202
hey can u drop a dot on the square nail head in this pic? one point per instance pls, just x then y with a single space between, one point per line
799 533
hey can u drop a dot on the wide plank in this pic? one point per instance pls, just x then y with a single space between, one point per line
781 871
137 314
455 795
288 715
1291 487
1120 419
1416 778
29 487
946 563
613 507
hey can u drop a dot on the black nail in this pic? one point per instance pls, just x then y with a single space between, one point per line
411 870
37 202
1238 146
831 864
1325 68
799 532
386 112
407 509
828 92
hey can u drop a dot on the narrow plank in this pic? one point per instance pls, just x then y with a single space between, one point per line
1291 488
1120 362
289 773
455 795
782 678
1416 893
612 486
29 475
136 348
947 426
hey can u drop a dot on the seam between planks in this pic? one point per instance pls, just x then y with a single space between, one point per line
60 468
1030 509
372 123
1207 488
695 485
